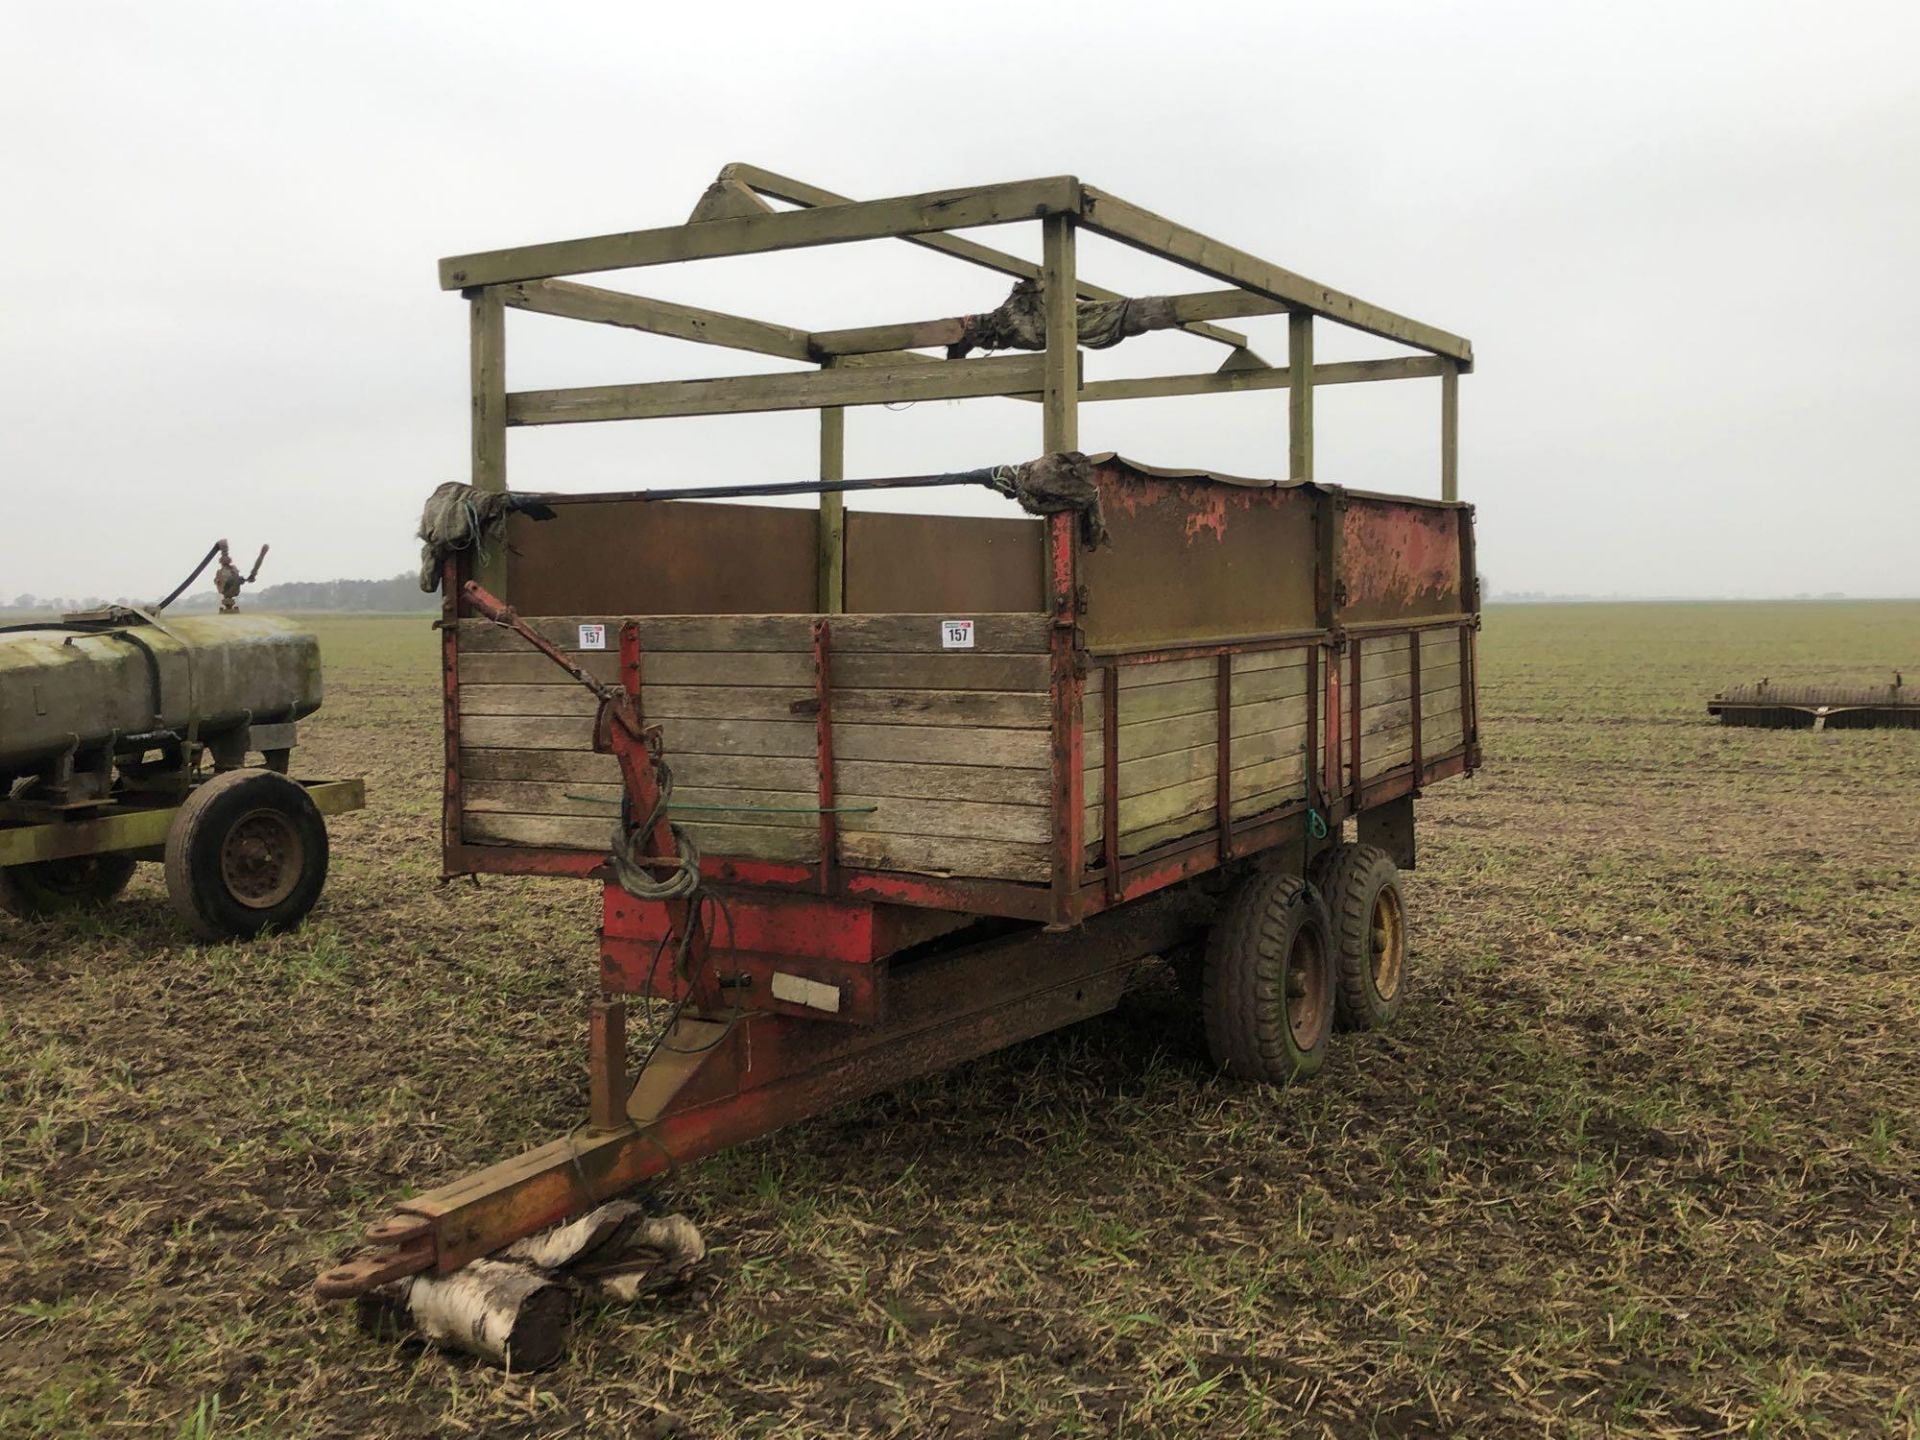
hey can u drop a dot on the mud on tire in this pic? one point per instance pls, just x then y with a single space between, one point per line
1361 885
1268 991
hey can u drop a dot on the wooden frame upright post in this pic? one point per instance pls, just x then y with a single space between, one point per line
1300 395
1061 426
833 508
488 330
1449 431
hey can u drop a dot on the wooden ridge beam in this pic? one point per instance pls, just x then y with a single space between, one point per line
798 192
902 215
918 334
1119 220
1227 382
799 390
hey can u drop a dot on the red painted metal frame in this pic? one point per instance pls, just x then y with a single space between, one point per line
1110 780
450 808
1356 645
1223 753
1413 667
1068 747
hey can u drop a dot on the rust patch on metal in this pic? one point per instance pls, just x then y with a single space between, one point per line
1400 561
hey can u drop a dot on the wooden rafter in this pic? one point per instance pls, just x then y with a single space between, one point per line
934 211
656 317
798 192
1118 220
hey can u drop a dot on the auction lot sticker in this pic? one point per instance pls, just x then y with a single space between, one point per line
956 634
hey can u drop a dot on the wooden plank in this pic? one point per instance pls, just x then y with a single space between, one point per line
562 765
1184 732
1185 697
691 805
1259 377
1108 215
1386 690
1300 395
1014 710
1005 709
948 670
1203 667
937 210
1384 657
526 700
796 390
1060 369
533 732
577 832
995 859
655 317
531 668
860 634
749 772
938 745
1156 772
956 819
942 782
1450 433
798 192
1284 775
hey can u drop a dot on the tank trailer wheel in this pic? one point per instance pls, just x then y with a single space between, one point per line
1362 889
247 853
54 887
1269 990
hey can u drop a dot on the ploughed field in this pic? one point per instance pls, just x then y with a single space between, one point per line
1642 1155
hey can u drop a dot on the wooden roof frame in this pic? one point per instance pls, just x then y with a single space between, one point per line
884 364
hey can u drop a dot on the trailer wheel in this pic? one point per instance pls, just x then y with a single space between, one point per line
54 887
1362 887
246 853
1269 990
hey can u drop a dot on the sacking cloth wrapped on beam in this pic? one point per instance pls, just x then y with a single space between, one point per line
458 517
1020 322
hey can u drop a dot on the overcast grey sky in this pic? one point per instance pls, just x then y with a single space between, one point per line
1684 239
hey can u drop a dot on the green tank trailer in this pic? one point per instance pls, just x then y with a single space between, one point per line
127 736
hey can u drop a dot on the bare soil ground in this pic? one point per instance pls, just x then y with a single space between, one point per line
1641 1157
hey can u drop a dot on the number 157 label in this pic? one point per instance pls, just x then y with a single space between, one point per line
956 634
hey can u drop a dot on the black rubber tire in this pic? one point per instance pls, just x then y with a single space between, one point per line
1359 882
59 887
1273 931
231 809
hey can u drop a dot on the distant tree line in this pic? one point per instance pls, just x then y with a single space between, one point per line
399 593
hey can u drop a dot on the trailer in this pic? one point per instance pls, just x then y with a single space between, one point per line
126 735
869 794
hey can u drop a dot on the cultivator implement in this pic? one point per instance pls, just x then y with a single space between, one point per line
1819 707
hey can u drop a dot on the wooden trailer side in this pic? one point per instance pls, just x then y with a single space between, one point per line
1313 643
940 757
